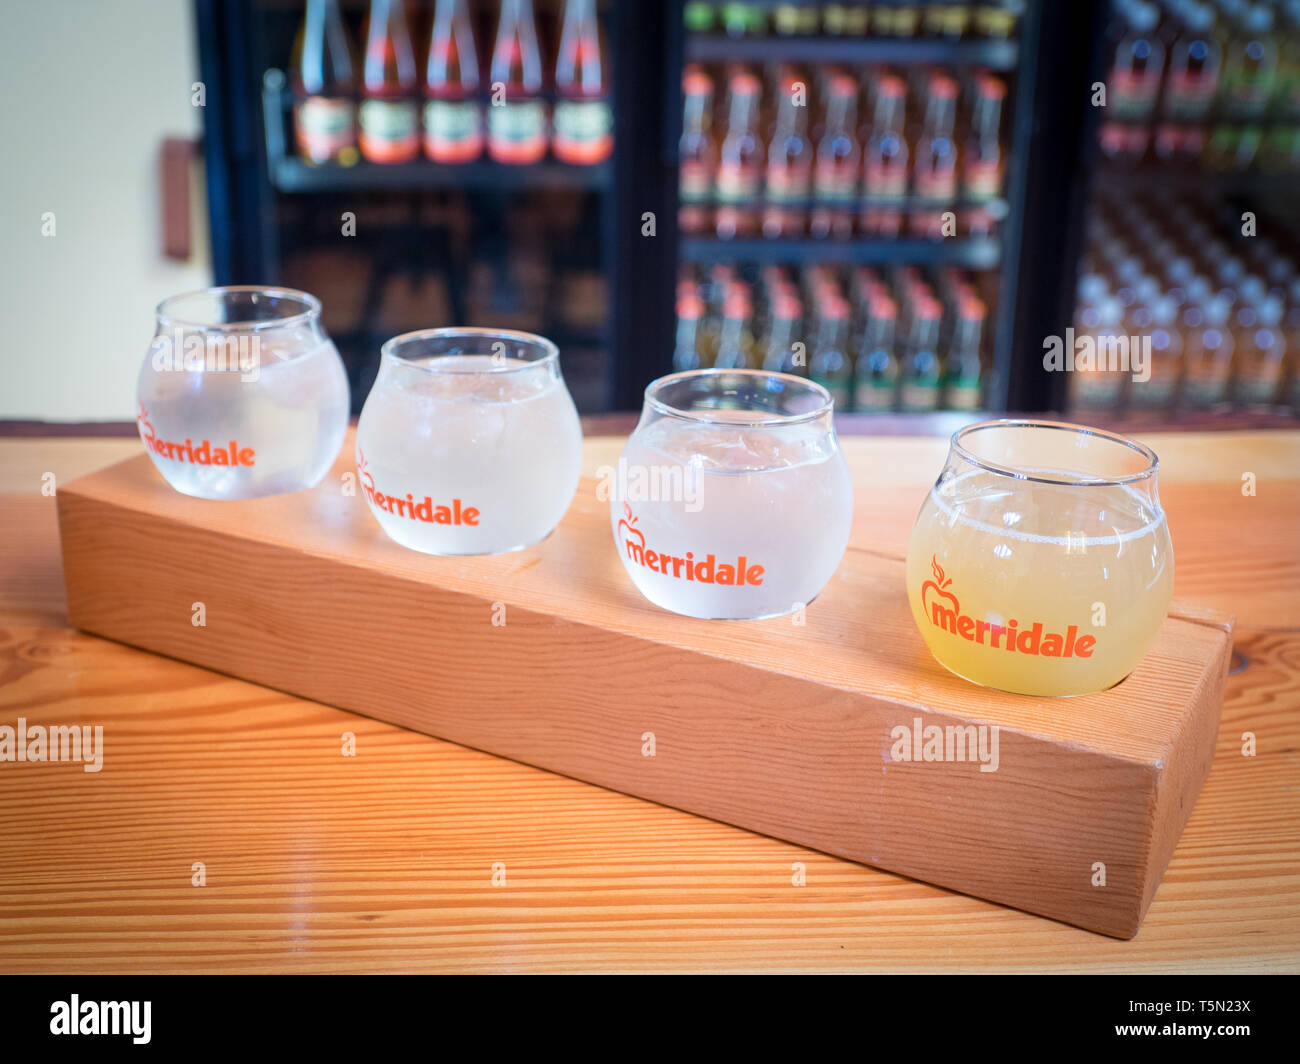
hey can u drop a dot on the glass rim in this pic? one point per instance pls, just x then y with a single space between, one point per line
1082 480
550 351
311 308
699 416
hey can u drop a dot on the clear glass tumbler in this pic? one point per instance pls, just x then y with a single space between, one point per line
1040 562
469 442
733 497
242 393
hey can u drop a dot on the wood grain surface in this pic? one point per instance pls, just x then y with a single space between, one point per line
550 656
384 861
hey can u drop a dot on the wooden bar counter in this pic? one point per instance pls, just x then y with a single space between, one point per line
232 836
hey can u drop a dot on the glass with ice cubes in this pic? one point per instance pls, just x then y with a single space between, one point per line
242 393
733 499
469 442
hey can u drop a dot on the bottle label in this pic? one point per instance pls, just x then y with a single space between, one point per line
1188 96
839 389
696 181
1097 388
1132 97
963 394
836 182
1258 388
584 131
886 183
788 184
517 131
983 179
937 186
453 130
1154 393
1247 95
737 182
389 130
324 127
875 395
1206 391
920 396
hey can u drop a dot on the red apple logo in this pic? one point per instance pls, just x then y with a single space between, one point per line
367 480
938 584
146 427
625 526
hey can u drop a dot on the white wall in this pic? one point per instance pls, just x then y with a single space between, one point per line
89 90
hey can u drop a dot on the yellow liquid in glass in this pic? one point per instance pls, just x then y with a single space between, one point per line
1042 589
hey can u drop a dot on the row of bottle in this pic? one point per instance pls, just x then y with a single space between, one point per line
1200 80
944 19
447 111
793 158
1206 321
876 343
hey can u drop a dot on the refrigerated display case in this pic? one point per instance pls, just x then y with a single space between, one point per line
594 255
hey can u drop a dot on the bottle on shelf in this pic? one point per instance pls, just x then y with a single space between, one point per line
998 19
885 162
831 365
736 341
789 163
963 370
453 113
698 153
835 175
517 117
946 19
1137 66
1207 354
1101 385
740 160
389 121
876 373
780 354
323 82
1159 390
984 164
935 166
1261 354
1250 67
583 123
686 352
698 16
1191 83
896 18
794 20
743 19
846 19
922 372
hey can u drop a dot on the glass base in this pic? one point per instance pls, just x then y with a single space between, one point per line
1027 694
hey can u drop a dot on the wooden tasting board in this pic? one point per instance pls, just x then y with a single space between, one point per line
781 728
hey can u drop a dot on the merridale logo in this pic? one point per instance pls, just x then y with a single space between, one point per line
227 454
741 573
455 514
944 612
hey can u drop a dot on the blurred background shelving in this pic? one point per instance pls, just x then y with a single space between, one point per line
1023 207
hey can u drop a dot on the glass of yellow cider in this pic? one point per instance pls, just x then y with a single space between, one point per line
1040 562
